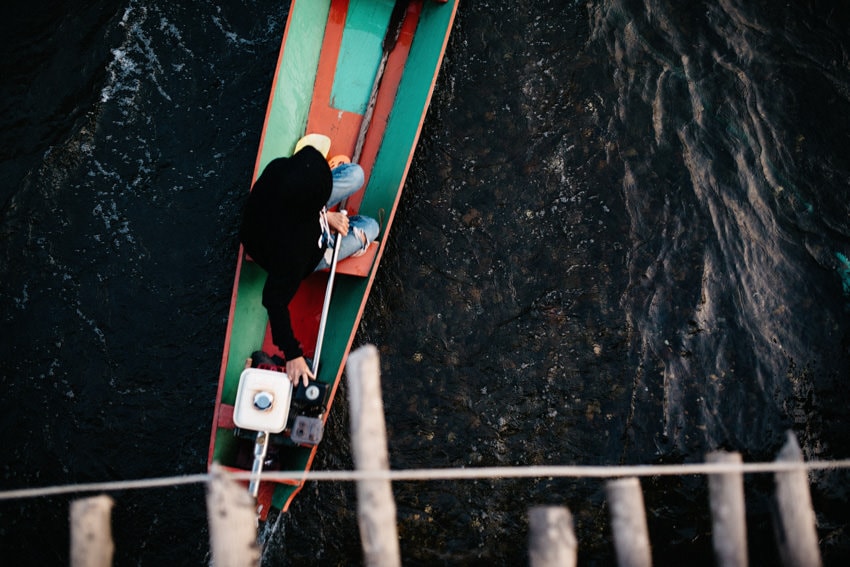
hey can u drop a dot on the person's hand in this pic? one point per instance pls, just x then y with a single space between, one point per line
297 370
338 222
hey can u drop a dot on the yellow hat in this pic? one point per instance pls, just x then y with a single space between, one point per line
318 141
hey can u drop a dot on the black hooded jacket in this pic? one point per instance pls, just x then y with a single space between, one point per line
280 231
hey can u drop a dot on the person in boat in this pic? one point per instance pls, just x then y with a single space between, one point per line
288 231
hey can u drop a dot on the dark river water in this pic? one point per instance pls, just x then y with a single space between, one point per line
625 239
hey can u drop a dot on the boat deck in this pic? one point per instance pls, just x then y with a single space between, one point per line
322 84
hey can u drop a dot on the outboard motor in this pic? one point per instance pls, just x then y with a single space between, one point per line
262 406
306 405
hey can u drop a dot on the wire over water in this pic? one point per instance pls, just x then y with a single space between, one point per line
443 474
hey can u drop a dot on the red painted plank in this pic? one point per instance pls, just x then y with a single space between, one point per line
225 416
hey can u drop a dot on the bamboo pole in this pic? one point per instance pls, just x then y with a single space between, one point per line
91 532
233 522
794 522
551 540
628 522
376 509
728 513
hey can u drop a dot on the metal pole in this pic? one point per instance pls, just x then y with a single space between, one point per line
326 305
260 448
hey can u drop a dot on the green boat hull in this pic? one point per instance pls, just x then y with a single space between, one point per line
295 106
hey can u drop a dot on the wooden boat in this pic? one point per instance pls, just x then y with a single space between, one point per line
334 58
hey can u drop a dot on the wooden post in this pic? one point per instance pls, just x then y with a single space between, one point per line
728 513
233 522
551 540
376 510
91 532
794 522
628 522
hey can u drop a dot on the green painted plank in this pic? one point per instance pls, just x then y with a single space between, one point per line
225 446
290 104
360 54
281 495
248 326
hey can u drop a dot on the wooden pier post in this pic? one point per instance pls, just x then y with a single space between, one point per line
794 523
628 522
551 539
233 522
728 512
91 532
376 509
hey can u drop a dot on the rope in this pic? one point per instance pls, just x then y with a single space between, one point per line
444 474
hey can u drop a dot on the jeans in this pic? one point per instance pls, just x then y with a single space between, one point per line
348 178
